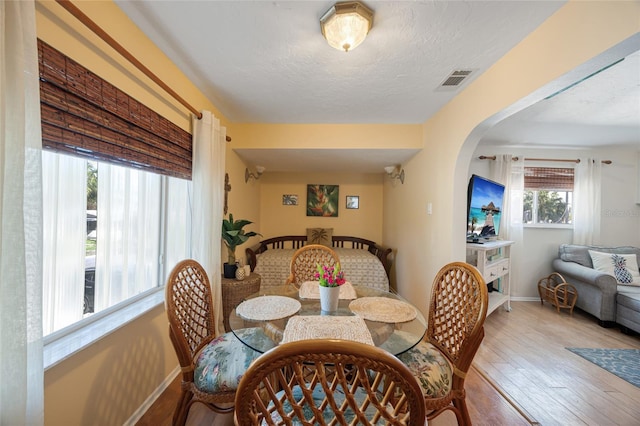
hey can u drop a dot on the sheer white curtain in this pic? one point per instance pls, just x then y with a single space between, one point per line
64 186
128 233
21 371
209 140
587 201
510 172
178 223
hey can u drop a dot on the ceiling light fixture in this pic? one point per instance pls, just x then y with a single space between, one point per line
395 172
345 25
249 175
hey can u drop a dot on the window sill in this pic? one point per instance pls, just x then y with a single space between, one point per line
548 226
62 344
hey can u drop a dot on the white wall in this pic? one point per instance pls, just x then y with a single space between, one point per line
620 222
620 213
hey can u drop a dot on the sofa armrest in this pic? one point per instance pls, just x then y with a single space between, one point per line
574 271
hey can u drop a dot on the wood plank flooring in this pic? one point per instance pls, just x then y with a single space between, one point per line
522 375
524 354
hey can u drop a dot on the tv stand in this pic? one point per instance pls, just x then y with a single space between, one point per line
493 260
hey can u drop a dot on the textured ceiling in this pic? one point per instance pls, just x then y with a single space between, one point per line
267 62
601 111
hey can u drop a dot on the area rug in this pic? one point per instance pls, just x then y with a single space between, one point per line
624 363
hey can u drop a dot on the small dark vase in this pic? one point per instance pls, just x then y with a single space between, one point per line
230 270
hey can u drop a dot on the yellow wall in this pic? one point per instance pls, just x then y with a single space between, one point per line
549 58
335 136
107 382
277 219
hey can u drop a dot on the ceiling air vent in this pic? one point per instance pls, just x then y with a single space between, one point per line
455 80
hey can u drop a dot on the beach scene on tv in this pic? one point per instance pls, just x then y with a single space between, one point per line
485 209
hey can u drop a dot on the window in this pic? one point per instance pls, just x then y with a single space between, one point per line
106 237
113 180
548 195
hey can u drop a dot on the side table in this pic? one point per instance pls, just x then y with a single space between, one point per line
234 291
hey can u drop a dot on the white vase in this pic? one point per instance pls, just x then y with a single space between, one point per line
329 297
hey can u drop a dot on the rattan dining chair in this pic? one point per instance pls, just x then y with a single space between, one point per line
324 382
440 362
305 260
211 366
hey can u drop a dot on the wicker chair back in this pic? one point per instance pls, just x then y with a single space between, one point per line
457 311
327 382
305 260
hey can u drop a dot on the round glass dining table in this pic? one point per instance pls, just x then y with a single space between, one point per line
365 314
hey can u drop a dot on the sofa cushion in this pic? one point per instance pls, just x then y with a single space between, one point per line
576 254
624 267
629 300
580 254
633 289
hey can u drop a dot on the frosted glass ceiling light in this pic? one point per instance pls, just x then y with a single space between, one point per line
345 25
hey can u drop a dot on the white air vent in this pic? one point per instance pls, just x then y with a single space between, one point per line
455 79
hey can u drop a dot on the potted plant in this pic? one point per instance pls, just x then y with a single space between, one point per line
233 235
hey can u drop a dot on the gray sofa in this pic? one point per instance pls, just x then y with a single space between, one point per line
599 294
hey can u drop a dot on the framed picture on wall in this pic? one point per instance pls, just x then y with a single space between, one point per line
289 199
353 202
322 200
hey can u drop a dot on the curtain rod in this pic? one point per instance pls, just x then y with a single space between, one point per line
78 14
493 157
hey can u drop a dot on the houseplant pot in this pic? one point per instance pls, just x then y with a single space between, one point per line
229 270
233 235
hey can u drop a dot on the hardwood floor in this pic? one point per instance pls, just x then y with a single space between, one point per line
524 355
522 375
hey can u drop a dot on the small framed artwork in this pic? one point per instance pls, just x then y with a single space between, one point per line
289 199
353 202
322 200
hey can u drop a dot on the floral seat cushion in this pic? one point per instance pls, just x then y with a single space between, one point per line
224 360
431 368
318 395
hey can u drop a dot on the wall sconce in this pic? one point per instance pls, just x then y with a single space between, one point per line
248 175
395 172
346 25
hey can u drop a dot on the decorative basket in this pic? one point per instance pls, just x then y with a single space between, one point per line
555 290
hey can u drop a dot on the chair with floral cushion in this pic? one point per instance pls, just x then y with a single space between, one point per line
305 260
211 366
328 382
440 362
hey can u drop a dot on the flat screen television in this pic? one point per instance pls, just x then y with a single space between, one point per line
484 209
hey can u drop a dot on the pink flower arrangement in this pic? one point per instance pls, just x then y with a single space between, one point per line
330 276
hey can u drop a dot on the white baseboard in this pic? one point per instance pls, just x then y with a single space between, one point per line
137 415
525 299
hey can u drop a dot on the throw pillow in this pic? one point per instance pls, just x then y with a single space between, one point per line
320 236
624 267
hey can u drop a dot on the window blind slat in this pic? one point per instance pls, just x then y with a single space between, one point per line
548 178
86 116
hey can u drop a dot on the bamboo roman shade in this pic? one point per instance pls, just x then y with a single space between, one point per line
548 178
84 115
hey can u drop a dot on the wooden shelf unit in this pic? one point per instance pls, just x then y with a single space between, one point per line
493 260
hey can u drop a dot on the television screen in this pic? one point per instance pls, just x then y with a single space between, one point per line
484 208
